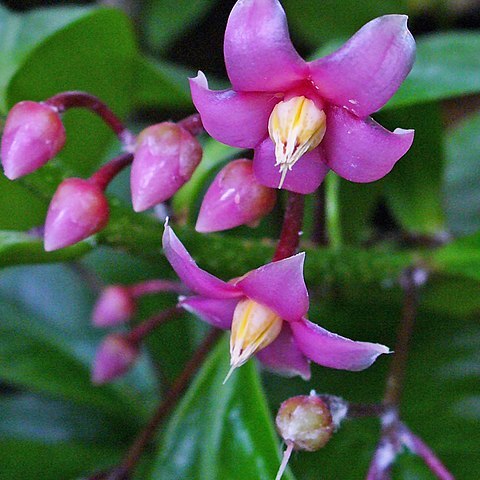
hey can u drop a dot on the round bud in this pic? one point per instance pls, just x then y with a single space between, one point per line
78 209
33 135
115 305
235 198
166 155
305 422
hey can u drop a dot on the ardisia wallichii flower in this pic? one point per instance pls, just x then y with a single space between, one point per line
304 118
266 311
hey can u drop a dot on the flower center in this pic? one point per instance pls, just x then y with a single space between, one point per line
253 328
296 126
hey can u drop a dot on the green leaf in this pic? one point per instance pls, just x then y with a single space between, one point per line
319 21
21 33
413 189
165 21
18 248
462 192
446 66
161 84
220 431
48 345
30 459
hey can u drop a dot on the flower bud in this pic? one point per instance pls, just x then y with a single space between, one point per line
115 306
77 210
234 198
113 359
306 422
166 156
33 134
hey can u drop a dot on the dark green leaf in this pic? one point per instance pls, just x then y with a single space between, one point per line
462 192
220 431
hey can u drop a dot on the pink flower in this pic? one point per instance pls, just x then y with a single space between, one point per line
266 310
304 118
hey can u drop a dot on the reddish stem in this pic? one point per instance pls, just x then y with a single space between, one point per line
179 386
136 335
156 286
291 228
75 99
192 124
106 173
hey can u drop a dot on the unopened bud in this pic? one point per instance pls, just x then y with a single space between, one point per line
235 198
113 359
166 155
306 422
78 209
115 305
33 135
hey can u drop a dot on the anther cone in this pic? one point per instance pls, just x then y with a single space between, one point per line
235 198
77 210
113 359
166 156
33 135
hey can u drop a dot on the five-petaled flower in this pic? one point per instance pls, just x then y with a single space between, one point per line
266 311
304 118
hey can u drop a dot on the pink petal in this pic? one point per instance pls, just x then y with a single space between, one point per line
259 55
192 276
234 198
305 177
364 73
331 350
234 118
362 150
279 286
284 357
216 312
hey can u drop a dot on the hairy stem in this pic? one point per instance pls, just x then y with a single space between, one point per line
291 228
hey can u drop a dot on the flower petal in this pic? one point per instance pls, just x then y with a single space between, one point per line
332 350
216 312
259 55
284 357
192 276
362 150
305 177
279 286
365 72
234 118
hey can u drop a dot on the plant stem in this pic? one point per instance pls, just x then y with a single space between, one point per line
142 330
135 452
409 281
192 124
106 173
156 286
291 228
75 99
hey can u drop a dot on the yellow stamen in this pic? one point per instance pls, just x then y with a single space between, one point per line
254 327
296 126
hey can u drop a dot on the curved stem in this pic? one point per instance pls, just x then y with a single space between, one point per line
291 228
156 286
76 99
106 173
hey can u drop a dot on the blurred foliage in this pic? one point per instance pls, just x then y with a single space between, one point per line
55 424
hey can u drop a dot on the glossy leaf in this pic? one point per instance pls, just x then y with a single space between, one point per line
462 180
220 431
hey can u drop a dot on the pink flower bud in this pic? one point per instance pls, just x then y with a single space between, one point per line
33 134
113 359
115 306
166 156
306 422
234 198
77 210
